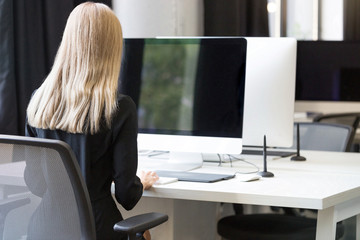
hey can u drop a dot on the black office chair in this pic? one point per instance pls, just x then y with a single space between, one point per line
352 118
60 206
291 225
349 118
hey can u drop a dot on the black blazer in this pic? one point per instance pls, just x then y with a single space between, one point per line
106 157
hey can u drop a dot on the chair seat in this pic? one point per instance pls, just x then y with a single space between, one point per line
270 227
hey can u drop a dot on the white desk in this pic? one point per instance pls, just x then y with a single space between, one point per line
327 181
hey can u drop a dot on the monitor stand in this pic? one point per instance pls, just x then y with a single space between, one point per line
185 161
173 161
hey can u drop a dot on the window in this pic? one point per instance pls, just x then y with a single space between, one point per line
306 19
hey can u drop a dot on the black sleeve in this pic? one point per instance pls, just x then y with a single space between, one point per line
128 188
33 174
29 131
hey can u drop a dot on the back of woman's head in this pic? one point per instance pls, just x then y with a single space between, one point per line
80 91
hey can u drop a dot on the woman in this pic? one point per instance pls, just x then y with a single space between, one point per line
78 103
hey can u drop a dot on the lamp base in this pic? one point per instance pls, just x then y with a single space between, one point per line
266 174
298 158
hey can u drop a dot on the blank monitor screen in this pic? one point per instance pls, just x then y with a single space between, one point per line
187 87
328 71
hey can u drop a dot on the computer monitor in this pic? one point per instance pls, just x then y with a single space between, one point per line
327 77
189 93
269 91
328 71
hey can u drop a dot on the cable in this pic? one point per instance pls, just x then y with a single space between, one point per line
151 153
157 153
154 153
247 162
220 159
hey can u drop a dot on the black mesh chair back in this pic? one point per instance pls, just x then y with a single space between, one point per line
323 136
44 194
350 119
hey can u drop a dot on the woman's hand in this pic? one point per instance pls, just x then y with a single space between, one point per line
148 179
147 235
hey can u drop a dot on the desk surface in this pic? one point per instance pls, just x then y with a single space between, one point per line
327 181
324 180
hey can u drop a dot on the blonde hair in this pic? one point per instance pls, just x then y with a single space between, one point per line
80 91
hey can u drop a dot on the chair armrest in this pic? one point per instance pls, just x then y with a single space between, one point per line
140 223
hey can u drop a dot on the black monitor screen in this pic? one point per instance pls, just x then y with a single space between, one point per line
328 71
186 86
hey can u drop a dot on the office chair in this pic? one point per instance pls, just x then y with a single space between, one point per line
291 225
12 196
351 119
60 207
323 136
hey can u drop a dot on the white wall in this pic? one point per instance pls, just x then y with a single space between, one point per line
152 18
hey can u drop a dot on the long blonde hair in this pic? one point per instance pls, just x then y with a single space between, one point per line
80 91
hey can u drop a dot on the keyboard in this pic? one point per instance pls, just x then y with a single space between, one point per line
194 176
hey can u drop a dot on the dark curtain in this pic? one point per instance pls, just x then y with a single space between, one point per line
236 18
7 75
351 20
30 33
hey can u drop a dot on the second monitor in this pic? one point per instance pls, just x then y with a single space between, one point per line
270 91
